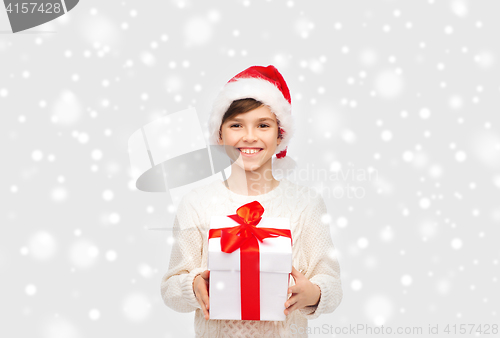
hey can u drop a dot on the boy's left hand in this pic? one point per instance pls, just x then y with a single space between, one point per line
304 293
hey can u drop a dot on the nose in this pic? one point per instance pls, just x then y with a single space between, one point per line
249 136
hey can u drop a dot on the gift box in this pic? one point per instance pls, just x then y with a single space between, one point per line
250 261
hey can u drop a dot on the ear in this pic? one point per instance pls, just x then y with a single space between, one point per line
219 140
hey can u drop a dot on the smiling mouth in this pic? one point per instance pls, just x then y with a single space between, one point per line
250 152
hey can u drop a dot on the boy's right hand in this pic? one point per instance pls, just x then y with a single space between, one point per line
200 288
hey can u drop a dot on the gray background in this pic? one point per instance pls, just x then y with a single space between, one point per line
408 89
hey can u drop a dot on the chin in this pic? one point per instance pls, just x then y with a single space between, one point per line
247 167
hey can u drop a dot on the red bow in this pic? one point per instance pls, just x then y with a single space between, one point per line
248 216
244 236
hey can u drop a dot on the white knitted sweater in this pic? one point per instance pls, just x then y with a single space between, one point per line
312 253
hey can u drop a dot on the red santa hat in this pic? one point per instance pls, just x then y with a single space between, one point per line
268 86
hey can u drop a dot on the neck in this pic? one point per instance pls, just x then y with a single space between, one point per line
252 183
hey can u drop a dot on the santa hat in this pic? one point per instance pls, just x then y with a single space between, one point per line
268 86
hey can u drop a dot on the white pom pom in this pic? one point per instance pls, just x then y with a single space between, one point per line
283 167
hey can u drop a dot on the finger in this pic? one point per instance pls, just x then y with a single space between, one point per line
291 301
205 274
293 289
206 313
296 272
203 308
206 283
206 301
292 308
202 295
203 291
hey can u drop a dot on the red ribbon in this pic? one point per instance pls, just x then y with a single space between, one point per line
245 236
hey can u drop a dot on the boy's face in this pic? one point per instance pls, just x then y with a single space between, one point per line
253 137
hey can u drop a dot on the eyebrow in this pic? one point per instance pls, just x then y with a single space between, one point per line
261 119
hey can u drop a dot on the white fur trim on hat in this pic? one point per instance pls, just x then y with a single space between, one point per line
258 89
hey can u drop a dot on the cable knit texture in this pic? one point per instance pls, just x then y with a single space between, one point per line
313 254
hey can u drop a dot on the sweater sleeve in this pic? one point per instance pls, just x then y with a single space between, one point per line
185 260
322 266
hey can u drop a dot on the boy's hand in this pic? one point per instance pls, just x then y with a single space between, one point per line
200 288
304 293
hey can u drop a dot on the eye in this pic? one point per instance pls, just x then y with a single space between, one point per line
260 125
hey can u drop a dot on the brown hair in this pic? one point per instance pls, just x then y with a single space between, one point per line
242 106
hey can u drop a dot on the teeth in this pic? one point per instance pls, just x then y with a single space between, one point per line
249 151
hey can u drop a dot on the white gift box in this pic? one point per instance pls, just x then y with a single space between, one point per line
275 266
